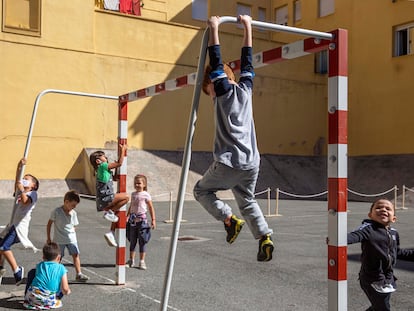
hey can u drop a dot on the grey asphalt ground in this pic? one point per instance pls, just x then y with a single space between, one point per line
208 273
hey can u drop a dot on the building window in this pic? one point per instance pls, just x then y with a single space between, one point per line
282 15
321 62
326 7
22 16
243 9
297 10
261 17
199 10
403 40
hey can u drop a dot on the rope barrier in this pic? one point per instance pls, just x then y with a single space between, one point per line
171 220
278 191
372 195
395 189
304 195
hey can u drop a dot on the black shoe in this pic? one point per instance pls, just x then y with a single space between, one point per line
265 248
234 229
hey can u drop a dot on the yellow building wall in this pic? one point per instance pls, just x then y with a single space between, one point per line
380 86
86 49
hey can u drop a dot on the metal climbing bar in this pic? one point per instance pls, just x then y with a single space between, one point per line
281 28
197 81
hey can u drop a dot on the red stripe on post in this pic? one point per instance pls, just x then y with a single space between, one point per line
337 257
159 88
272 56
337 194
313 45
235 65
120 256
182 81
123 111
141 93
338 127
338 56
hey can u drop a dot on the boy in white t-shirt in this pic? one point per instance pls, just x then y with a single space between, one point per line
65 219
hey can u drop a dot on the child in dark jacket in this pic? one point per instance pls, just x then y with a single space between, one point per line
380 249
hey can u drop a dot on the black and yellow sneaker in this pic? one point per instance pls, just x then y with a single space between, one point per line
233 229
265 248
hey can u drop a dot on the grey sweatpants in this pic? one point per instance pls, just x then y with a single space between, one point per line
242 183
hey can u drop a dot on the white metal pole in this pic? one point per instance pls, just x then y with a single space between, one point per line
36 104
184 173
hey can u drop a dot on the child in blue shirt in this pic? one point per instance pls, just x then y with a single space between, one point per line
47 284
236 156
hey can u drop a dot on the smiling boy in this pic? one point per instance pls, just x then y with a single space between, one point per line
380 246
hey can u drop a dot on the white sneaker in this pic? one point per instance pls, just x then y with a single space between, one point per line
389 288
142 265
131 263
2 272
82 277
110 239
383 289
110 216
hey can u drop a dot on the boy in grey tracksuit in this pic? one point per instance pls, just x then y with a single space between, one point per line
236 156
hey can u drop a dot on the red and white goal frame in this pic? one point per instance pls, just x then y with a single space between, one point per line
336 43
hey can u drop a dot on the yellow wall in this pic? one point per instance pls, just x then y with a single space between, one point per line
86 49
380 86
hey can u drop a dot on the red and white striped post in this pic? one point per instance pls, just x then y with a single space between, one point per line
122 186
337 170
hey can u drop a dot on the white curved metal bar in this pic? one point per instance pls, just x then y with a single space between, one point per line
36 105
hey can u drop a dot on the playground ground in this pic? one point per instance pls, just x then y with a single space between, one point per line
208 273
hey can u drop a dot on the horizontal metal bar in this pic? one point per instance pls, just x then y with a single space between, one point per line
281 28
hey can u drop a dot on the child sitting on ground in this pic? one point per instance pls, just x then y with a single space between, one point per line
47 284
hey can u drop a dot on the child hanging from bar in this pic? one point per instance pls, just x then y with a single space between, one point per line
236 156
106 200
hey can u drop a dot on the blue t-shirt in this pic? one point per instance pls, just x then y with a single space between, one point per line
48 275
